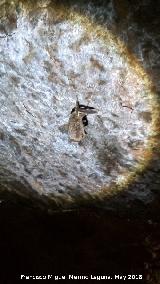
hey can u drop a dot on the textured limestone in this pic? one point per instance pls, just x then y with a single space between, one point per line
47 59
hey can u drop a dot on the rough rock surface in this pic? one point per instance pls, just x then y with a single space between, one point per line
49 56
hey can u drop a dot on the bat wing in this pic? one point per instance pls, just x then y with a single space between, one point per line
87 109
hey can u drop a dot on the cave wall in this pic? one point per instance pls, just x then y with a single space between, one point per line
107 55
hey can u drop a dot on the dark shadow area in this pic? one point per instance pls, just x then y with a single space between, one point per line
80 242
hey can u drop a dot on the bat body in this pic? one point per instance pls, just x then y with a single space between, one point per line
78 120
76 128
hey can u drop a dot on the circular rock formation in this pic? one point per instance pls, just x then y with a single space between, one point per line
49 57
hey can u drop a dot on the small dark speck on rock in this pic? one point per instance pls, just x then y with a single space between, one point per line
2 135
